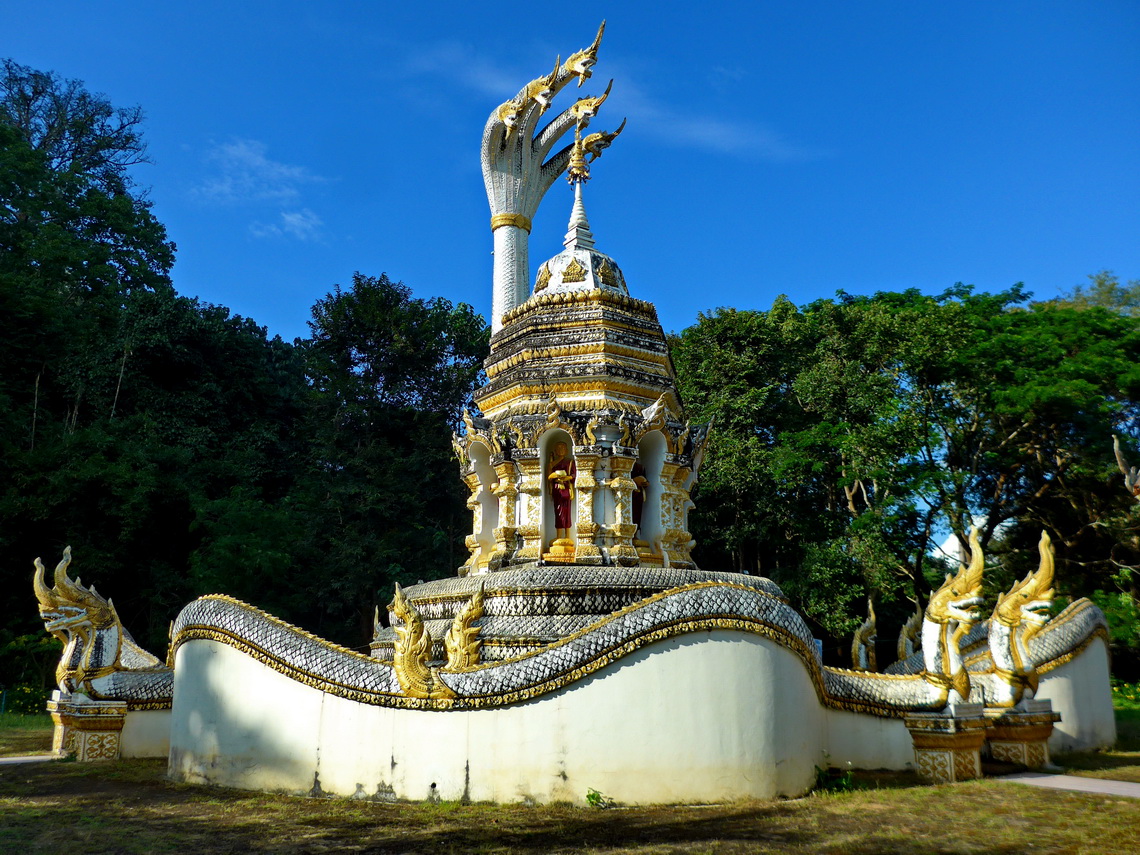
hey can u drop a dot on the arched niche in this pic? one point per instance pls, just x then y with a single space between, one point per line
480 457
651 454
546 444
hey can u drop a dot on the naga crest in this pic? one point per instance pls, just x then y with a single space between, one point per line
960 595
585 109
1027 602
540 91
581 62
68 606
594 144
99 655
910 636
412 655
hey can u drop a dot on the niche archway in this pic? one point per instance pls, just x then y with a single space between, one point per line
480 457
651 455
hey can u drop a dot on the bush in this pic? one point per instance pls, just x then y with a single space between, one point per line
25 700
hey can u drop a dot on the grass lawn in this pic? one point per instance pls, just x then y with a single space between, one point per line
24 734
129 807
1120 764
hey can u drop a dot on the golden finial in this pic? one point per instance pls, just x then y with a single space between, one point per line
577 170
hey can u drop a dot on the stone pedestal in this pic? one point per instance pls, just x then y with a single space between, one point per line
1021 735
948 745
561 552
90 730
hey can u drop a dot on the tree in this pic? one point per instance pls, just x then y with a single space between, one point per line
390 375
852 432
77 132
1104 291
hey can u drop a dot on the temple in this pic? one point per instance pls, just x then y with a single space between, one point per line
579 647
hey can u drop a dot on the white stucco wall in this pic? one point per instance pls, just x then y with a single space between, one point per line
867 741
704 717
1081 692
146 733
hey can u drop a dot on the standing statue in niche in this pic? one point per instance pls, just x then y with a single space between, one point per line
563 472
640 493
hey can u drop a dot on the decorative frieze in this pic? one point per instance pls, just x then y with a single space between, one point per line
1021 736
85 729
948 745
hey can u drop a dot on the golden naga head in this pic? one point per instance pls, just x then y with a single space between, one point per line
540 91
585 109
581 62
1028 601
595 144
68 604
543 89
960 595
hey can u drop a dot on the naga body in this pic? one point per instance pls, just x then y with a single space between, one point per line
100 659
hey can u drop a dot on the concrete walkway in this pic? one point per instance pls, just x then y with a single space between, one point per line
1075 784
31 758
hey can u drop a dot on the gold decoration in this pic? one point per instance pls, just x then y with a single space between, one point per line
955 603
626 433
92 635
591 425
553 413
585 109
581 62
413 650
910 636
595 144
607 274
520 220
543 278
960 590
1033 593
462 641
574 272
596 295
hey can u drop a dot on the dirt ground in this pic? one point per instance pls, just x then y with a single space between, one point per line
130 807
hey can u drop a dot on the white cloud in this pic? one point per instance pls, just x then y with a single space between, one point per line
301 225
245 174
693 129
459 63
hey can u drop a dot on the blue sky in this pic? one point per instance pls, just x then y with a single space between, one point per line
795 148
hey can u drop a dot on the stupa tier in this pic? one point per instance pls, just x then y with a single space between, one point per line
583 455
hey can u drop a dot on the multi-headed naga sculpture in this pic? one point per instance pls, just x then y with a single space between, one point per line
951 613
1017 618
518 167
100 659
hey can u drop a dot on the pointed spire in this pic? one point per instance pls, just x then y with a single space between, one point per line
579 235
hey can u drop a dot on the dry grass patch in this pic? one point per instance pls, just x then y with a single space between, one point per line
129 807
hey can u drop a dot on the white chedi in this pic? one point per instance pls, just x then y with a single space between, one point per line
579 267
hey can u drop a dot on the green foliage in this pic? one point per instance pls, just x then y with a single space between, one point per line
833 780
25 700
850 434
1104 291
179 449
1125 696
598 800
